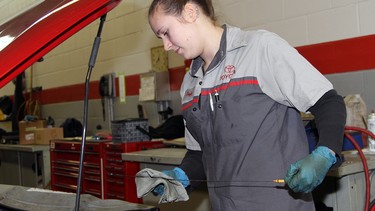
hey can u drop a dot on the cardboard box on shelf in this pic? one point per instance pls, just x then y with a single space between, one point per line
44 135
26 130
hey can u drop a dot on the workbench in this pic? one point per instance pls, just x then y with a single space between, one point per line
25 165
343 189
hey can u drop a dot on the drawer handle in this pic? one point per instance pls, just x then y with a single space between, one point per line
66 174
92 179
111 195
71 187
119 168
93 192
71 169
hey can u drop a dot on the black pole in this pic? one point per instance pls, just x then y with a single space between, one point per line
18 109
94 53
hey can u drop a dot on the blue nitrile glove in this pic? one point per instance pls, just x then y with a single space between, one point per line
307 173
178 174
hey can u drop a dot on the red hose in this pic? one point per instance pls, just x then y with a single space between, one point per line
363 158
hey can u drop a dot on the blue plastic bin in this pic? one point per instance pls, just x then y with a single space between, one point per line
347 145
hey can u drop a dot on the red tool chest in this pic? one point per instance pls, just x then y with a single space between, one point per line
118 175
104 174
65 156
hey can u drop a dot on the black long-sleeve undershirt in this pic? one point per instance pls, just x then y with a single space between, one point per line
192 165
330 118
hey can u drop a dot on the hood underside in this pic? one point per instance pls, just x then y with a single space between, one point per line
32 34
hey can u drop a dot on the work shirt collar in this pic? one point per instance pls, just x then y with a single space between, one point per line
198 62
233 42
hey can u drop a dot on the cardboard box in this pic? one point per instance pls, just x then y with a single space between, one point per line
26 130
44 135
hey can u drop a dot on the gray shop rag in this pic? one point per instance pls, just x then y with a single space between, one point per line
147 179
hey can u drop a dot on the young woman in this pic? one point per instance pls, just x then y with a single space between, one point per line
241 101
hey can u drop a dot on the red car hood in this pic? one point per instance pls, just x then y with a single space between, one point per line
32 34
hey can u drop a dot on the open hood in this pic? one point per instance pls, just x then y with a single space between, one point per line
32 34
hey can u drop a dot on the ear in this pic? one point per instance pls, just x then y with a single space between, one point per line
190 12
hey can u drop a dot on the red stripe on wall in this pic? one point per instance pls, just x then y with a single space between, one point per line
340 56
132 83
65 93
76 92
176 76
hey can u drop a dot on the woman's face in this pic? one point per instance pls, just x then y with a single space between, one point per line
177 33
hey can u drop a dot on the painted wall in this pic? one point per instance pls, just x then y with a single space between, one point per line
127 39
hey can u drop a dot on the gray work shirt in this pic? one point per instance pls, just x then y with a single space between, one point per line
243 114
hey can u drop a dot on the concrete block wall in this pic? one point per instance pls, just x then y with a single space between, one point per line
302 22
360 82
127 39
10 8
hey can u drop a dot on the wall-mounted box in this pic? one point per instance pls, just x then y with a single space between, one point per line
155 86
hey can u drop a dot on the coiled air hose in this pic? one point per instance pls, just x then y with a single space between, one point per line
364 163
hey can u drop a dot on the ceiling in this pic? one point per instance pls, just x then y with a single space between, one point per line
11 8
